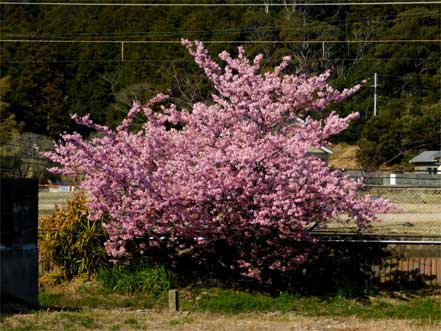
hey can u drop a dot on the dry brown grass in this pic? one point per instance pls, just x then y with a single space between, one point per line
121 319
344 156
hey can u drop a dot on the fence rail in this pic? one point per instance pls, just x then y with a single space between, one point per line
422 270
414 179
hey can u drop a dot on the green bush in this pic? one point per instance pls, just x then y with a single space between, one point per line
71 241
142 278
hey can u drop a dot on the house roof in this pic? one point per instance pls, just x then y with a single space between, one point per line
426 156
320 150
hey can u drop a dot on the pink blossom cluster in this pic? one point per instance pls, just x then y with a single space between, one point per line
234 169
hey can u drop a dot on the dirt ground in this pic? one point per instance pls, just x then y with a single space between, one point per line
121 319
411 219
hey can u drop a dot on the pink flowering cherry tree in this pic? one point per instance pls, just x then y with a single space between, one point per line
234 170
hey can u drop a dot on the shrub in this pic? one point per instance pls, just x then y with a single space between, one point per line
142 278
71 240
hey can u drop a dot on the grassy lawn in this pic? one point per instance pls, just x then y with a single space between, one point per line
85 305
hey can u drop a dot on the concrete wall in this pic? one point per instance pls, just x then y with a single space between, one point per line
18 241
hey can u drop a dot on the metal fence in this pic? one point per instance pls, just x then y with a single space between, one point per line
405 194
394 179
52 196
419 209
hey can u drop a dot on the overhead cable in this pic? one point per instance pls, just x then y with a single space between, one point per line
88 41
326 25
261 4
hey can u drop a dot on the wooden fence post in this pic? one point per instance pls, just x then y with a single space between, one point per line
173 300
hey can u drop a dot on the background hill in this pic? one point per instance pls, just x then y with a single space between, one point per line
43 82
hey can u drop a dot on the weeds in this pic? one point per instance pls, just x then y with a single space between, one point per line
73 319
133 322
142 279
81 293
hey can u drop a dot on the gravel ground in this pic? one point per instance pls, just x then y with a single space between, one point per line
96 319
411 219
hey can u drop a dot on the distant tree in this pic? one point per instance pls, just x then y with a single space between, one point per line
50 82
398 133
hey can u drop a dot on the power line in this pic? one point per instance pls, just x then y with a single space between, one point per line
262 4
184 61
391 41
327 25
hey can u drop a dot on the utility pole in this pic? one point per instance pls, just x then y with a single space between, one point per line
375 94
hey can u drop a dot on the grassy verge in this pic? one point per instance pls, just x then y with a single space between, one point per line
387 305
85 294
89 293
85 304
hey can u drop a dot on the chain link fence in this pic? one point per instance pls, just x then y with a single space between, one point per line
419 209
424 196
418 212
52 196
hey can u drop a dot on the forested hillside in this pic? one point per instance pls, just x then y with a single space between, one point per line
43 81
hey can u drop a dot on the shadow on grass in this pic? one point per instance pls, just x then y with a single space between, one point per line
12 305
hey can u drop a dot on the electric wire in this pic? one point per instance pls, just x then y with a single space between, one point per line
315 25
183 60
189 4
88 41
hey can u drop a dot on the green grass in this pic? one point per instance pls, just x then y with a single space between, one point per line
377 308
100 300
120 287
89 294
142 279
86 294
234 302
